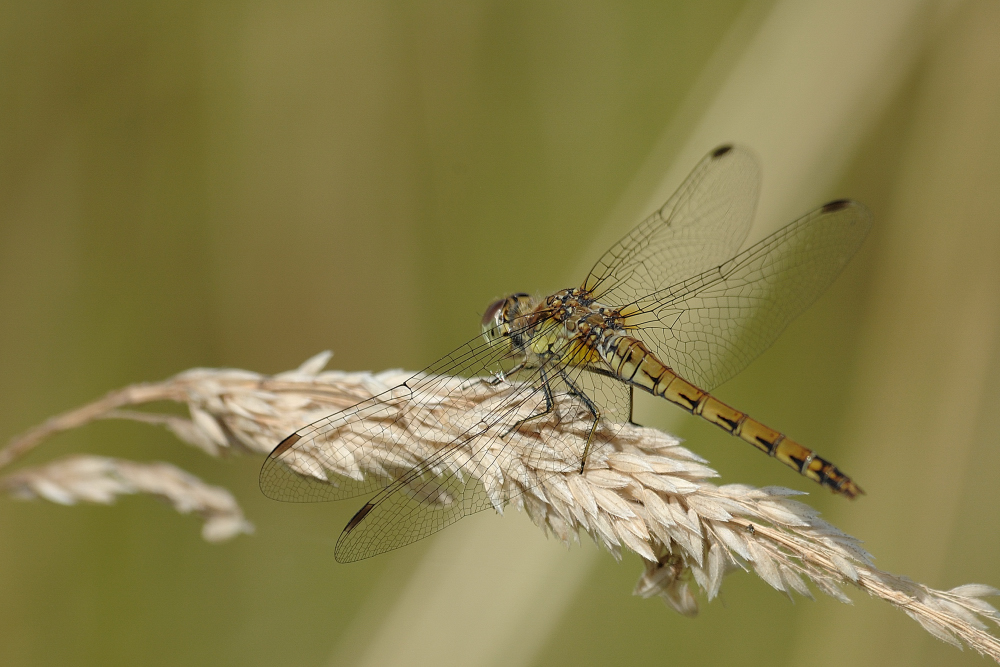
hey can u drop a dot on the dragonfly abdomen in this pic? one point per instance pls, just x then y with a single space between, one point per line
633 362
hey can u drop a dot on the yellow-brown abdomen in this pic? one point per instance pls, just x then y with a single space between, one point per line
633 362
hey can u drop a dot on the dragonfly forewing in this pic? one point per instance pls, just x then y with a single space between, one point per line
701 226
711 326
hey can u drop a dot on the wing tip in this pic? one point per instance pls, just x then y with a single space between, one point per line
836 205
347 553
721 150
359 517
859 217
284 445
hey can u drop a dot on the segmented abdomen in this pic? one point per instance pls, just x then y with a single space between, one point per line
633 362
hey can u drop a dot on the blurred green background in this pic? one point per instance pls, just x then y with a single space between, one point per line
247 183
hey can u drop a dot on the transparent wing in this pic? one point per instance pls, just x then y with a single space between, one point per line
365 447
710 327
702 225
501 458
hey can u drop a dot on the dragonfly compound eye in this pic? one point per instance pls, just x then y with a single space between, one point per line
490 316
495 325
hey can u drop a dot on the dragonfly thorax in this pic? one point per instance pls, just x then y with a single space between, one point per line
568 325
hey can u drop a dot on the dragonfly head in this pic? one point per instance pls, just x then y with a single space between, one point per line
505 317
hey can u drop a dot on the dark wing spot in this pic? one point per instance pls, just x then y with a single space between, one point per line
836 205
721 150
285 444
358 518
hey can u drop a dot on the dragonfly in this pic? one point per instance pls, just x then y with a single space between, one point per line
674 309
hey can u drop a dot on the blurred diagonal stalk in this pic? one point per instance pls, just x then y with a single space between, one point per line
932 335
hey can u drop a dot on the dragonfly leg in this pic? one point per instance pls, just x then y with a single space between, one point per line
549 404
573 390
501 376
